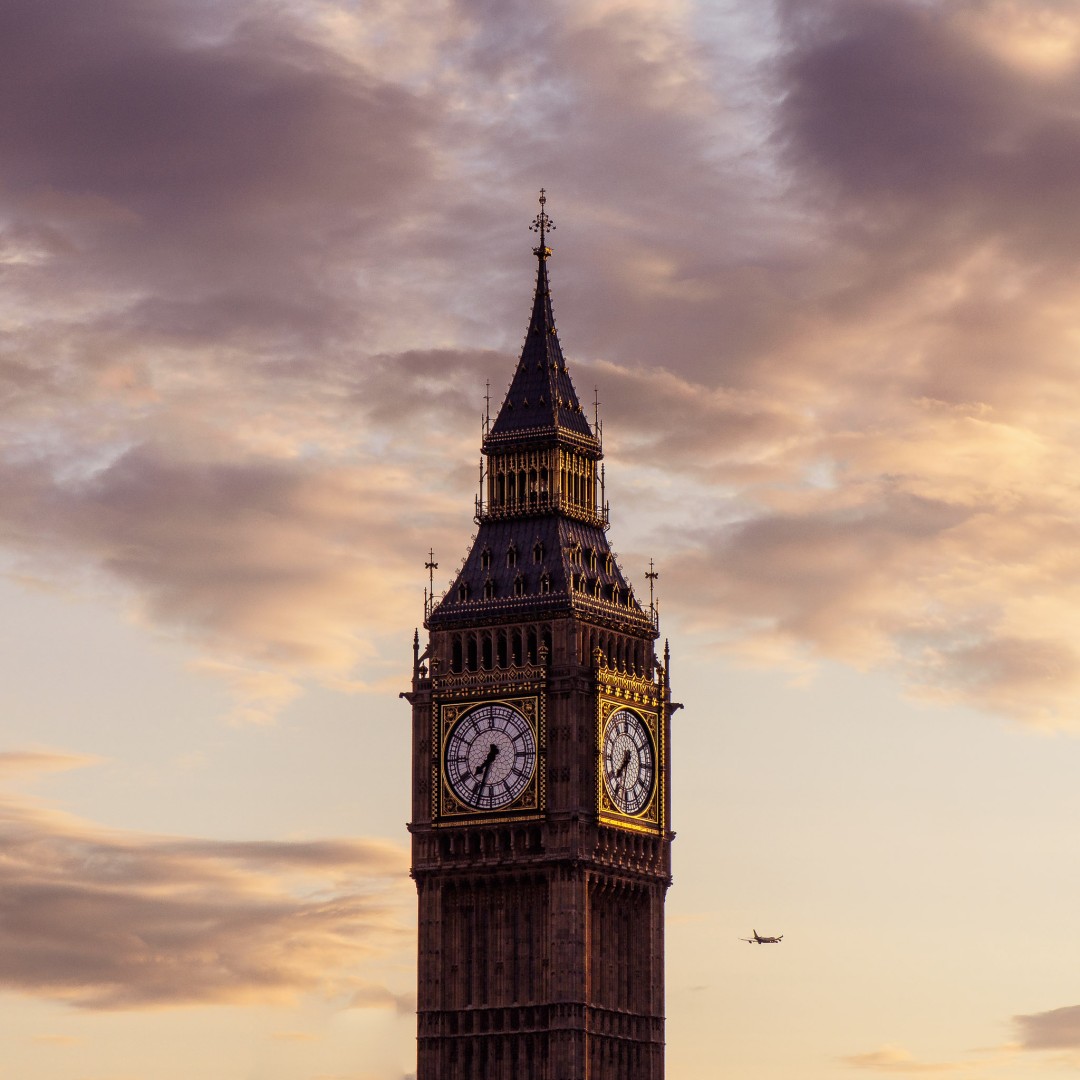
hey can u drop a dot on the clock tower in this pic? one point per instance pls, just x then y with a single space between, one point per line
541 842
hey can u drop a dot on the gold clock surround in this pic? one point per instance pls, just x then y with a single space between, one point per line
649 819
448 809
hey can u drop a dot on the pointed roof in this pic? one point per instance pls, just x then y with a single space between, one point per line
541 400
549 557
542 579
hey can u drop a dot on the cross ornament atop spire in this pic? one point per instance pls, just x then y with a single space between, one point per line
542 224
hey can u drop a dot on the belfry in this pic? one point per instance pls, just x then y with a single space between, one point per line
541 842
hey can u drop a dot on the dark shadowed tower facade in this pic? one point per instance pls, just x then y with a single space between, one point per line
541 785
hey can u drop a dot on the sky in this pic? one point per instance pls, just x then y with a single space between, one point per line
819 262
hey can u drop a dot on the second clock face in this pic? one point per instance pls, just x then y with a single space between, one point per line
490 756
629 762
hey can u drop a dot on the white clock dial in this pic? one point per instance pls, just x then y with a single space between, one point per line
490 756
629 762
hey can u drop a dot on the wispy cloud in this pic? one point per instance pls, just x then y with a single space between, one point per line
894 1059
110 919
28 763
1056 1029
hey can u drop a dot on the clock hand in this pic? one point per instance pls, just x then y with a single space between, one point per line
485 767
493 753
620 772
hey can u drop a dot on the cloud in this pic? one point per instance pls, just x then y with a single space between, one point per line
185 201
909 107
894 1059
378 997
107 919
886 482
280 567
196 127
261 260
1057 1029
18 763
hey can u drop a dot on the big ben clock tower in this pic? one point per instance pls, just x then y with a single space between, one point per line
541 844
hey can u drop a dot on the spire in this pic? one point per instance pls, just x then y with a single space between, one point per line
541 399
540 548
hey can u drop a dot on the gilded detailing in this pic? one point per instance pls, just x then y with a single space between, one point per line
650 817
521 482
505 680
628 687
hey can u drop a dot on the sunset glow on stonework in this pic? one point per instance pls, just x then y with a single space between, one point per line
264 270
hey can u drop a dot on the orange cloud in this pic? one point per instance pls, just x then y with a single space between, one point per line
104 919
16 763
894 1059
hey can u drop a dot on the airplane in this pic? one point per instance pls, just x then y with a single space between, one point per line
757 939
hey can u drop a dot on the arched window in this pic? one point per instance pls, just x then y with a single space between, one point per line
489 589
519 585
511 554
463 592
538 551
545 583
485 559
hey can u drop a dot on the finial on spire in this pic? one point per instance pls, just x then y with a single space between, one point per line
542 224
429 599
652 574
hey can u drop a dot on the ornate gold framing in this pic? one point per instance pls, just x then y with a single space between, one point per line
446 808
651 819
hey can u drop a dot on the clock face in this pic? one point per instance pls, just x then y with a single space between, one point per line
629 762
490 756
